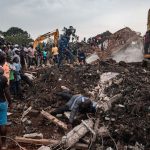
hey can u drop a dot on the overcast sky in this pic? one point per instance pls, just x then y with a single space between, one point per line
89 17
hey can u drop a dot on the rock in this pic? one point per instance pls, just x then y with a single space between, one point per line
126 70
44 148
103 131
109 148
28 122
118 82
122 63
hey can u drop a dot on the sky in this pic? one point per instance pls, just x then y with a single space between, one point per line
89 17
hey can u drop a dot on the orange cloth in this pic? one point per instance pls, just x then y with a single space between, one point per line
6 70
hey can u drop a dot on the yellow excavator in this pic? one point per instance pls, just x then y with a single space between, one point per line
45 36
147 39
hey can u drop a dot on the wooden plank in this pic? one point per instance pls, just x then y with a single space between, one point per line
36 141
26 112
54 120
47 142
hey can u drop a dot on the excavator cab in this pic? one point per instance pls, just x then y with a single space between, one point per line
147 43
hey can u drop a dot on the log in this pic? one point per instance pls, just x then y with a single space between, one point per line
54 120
77 133
47 142
36 141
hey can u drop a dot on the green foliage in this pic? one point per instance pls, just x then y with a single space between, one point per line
1 32
16 35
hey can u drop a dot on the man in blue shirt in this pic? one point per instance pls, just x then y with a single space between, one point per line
76 103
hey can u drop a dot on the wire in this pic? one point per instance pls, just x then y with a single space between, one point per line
113 140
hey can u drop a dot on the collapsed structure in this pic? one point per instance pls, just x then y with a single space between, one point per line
121 90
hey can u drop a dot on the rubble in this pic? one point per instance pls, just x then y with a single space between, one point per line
121 90
129 117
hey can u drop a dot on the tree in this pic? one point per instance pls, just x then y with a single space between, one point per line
16 35
1 32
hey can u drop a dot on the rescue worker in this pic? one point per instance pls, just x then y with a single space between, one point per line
81 57
55 53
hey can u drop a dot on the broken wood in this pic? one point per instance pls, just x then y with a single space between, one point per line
36 141
81 146
77 133
47 142
26 112
54 120
34 135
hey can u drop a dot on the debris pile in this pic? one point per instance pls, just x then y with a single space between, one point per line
122 120
121 46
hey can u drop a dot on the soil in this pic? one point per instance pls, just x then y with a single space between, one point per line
131 122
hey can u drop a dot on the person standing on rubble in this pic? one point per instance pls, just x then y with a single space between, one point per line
81 57
75 104
44 56
5 99
17 76
55 53
31 57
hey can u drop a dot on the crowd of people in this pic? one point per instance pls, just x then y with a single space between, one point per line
14 60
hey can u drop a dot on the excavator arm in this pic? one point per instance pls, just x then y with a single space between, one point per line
45 36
